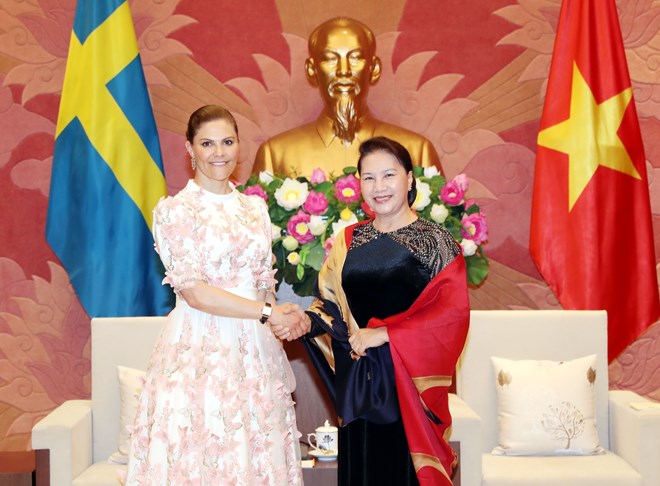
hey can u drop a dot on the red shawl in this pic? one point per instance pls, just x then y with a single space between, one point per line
425 342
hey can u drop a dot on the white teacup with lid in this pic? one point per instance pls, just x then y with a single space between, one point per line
325 439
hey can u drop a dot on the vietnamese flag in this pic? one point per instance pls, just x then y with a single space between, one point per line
591 233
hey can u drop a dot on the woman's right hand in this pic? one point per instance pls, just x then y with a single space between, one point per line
289 321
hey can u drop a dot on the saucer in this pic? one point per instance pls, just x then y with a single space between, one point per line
323 455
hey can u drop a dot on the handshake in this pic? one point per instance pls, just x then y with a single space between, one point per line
289 321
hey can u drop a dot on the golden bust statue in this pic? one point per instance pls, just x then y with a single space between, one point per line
343 64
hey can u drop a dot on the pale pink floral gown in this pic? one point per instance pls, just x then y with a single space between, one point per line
216 408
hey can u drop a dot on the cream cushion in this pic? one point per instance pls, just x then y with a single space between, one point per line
131 382
546 407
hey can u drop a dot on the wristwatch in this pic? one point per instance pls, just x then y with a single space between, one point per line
266 312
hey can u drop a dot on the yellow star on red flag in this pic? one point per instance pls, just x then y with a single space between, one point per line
589 136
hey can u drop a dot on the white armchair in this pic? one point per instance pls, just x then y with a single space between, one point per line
82 434
630 437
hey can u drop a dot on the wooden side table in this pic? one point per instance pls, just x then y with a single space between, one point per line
25 468
17 468
322 474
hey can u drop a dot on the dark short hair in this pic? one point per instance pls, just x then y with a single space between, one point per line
206 114
394 148
341 22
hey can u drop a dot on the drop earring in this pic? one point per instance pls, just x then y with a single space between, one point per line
193 163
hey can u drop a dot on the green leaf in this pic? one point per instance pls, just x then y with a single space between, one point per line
454 226
289 273
275 184
473 209
477 269
315 256
305 288
280 216
331 215
300 271
327 188
436 183
280 254
303 251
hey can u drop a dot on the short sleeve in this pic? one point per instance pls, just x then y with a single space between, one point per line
174 230
266 278
446 250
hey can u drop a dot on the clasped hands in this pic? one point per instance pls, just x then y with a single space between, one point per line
289 321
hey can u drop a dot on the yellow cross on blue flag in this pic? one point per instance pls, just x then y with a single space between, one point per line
107 169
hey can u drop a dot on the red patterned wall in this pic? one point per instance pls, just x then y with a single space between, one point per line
471 79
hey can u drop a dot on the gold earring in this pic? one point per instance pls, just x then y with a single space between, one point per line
193 163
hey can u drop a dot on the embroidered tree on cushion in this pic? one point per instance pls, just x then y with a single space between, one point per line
564 422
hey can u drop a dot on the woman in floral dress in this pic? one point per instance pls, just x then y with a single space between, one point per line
216 407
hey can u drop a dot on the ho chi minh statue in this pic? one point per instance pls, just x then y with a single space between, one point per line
343 64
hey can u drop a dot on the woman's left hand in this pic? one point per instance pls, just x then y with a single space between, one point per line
366 338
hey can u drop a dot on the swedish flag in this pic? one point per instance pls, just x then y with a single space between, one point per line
107 169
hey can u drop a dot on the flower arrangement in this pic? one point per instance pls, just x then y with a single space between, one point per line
306 215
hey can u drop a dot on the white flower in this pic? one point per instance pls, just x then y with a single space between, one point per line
431 171
423 197
275 232
289 243
265 177
439 213
293 258
291 194
469 247
342 223
316 225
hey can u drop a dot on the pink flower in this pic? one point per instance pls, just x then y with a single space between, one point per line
347 189
256 190
452 194
461 181
316 203
317 177
469 202
475 228
297 227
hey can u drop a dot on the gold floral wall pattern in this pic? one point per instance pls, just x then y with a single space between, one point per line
472 80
